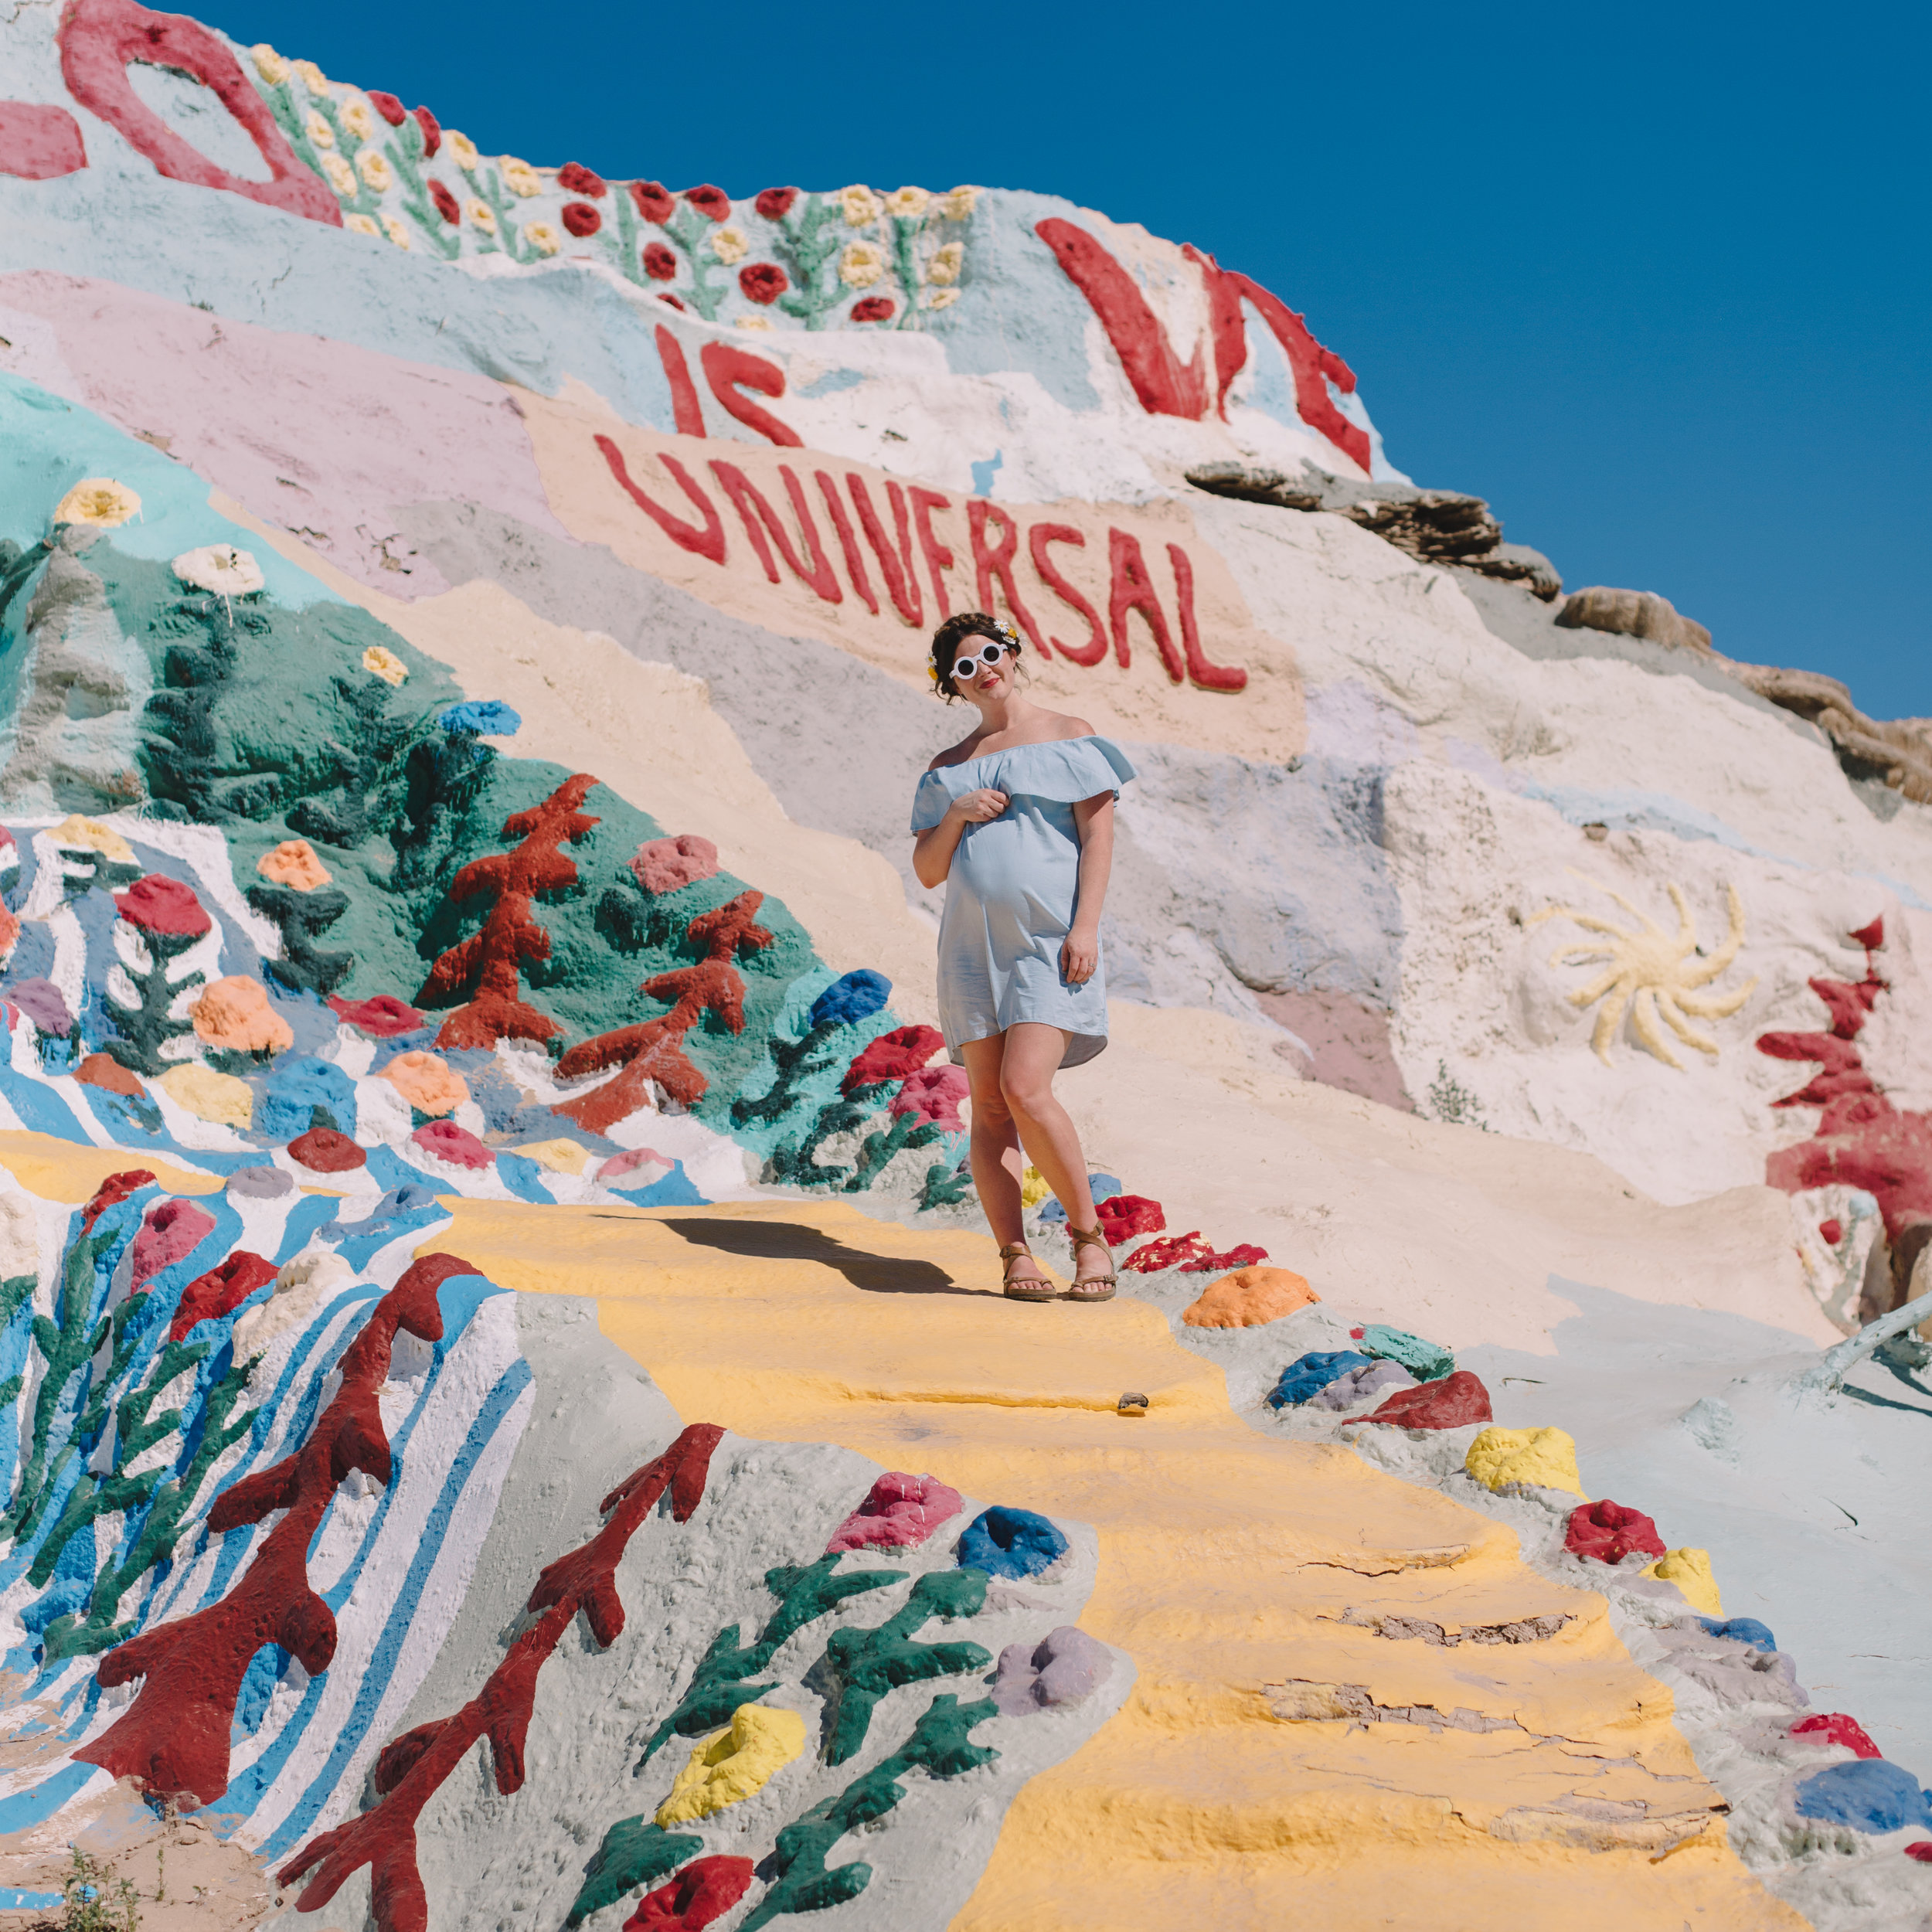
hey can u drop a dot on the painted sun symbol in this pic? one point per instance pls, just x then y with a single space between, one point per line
1655 974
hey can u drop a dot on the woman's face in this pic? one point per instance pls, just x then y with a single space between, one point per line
989 683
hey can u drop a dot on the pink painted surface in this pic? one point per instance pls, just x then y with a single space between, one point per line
899 1512
39 143
261 415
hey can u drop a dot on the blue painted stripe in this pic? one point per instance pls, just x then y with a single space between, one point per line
496 1406
524 1178
13 1899
309 1212
35 1807
39 1108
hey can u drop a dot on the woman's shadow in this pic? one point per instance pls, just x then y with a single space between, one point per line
794 1241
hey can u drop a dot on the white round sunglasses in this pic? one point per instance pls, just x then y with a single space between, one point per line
990 652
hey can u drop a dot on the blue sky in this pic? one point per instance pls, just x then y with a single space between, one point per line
1654 280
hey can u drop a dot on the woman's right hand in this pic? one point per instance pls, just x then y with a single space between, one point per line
980 807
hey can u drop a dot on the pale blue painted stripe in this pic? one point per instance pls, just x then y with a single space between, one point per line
13 1899
35 1806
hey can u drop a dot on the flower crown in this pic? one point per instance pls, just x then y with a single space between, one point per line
1000 624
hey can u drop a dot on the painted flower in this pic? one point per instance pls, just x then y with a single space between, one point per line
319 132
581 218
388 106
313 78
342 177
957 206
520 178
98 500
270 65
730 244
361 225
432 132
574 178
659 263
375 169
775 203
393 228
754 321
219 567
944 298
763 283
445 203
542 237
860 205
874 308
861 265
384 663
481 215
672 301
463 149
653 200
907 203
358 120
709 201
945 265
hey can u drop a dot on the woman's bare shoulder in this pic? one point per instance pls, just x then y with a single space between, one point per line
959 754
1064 725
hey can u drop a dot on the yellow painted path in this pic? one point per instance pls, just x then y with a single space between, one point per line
1229 1563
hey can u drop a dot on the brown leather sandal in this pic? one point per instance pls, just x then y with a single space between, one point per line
1039 1289
1093 1288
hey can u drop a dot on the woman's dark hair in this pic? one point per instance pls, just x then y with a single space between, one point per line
953 633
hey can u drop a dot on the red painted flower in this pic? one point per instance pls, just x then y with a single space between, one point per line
388 106
659 263
654 200
432 132
708 200
763 283
775 203
445 203
579 180
581 218
874 308
673 301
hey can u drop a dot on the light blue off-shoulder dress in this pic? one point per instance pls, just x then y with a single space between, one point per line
1010 894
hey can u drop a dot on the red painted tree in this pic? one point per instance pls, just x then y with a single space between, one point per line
654 1050
410 1770
486 965
173 1739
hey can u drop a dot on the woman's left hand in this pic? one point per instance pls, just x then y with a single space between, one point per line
1080 957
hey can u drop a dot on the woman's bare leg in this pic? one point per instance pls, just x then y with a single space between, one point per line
996 1154
1031 1058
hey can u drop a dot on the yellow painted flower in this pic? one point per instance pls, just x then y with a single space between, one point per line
908 203
384 663
730 245
944 298
320 133
361 225
463 148
375 169
313 78
481 215
957 204
342 177
393 228
945 265
754 321
270 65
542 237
520 177
860 206
98 500
861 265
358 120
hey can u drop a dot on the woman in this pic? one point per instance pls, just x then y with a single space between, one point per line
1017 820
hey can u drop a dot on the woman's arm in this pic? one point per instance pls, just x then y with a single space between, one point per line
1080 950
933 848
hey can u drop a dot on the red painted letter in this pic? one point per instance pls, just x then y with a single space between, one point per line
755 509
1314 366
854 557
39 144
1132 589
709 542
685 410
1037 539
99 38
1209 677
937 555
902 579
724 368
998 563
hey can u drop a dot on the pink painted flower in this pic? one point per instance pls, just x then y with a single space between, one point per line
446 204
574 178
659 263
709 201
388 106
581 218
874 308
432 133
653 200
763 283
934 1094
775 203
